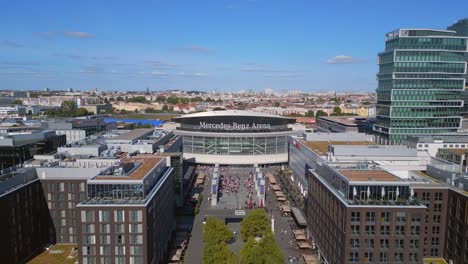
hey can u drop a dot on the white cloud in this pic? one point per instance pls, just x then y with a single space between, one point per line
344 59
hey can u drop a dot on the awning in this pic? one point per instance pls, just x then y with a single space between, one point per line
298 232
300 237
286 208
279 193
300 219
281 199
276 187
271 178
309 259
304 245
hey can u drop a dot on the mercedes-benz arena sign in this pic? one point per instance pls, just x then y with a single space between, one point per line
235 137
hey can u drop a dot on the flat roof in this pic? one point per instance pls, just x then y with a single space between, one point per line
133 134
368 175
146 164
321 147
58 254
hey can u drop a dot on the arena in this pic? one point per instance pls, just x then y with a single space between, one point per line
234 137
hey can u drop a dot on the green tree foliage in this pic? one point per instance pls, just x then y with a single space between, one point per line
321 113
209 100
310 113
161 98
67 107
337 110
264 251
165 107
218 253
81 112
18 102
173 100
216 231
276 104
255 224
150 110
120 98
137 99
197 99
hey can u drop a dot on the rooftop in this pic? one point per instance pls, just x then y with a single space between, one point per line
368 175
133 134
321 147
345 120
58 254
461 151
144 166
231 113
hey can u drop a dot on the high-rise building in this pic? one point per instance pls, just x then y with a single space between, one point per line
421 79
461 29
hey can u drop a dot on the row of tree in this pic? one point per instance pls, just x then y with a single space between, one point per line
68 109
260 246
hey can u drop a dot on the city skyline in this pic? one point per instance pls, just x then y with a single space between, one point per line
209 45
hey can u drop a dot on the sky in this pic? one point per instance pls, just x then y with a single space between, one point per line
208 45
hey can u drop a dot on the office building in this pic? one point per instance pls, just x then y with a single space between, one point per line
421 79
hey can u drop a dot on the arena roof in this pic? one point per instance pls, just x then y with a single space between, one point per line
232 113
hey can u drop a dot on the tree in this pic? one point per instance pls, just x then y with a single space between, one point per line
276 104
120 98
165 107
215 253
18 102
310 113
255 224
264 251
337 110
68 107
173 100
197 99
216 231
161 98
80 112
137 99
320 113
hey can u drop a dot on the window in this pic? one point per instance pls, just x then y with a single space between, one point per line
413 257
401 217
355 229
136 250
415 230
119 239
436 219
370 216
426 196
355 216
435 230
368 257
105 228
136 228
438 207
385 217
119 228
104 216
136 239
105 239
369 243
399 243
383 257
120 250
414 243
136 216
434 252
385 230
398 257
400 230
119 216
354 256
435 241
384 243
87 216
370 229
354 243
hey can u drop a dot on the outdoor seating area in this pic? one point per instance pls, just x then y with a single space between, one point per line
179 243
310 259
200 180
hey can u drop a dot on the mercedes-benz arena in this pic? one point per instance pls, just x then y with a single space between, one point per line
235 137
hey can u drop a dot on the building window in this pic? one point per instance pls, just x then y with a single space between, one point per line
87 216
370 216
383 257
434 252
435 230
384 243
105 228
438 207
435 241
401 217
136 216
355 229
136 250
354 242
413 257
400 230
355 216
436 219
369 243
385 217
136 228
119 239
104 216
136 239
370 229
426 196
399 243
398 257
438 196
368 257
354 256
119 216
414 243
385 230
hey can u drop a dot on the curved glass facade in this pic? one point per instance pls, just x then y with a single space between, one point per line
235 145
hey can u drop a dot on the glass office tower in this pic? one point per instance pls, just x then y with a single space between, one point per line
461 29
420 83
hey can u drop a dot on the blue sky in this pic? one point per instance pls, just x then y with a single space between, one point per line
205 44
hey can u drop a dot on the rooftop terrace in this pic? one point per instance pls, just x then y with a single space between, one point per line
143 164
368 175
321 147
